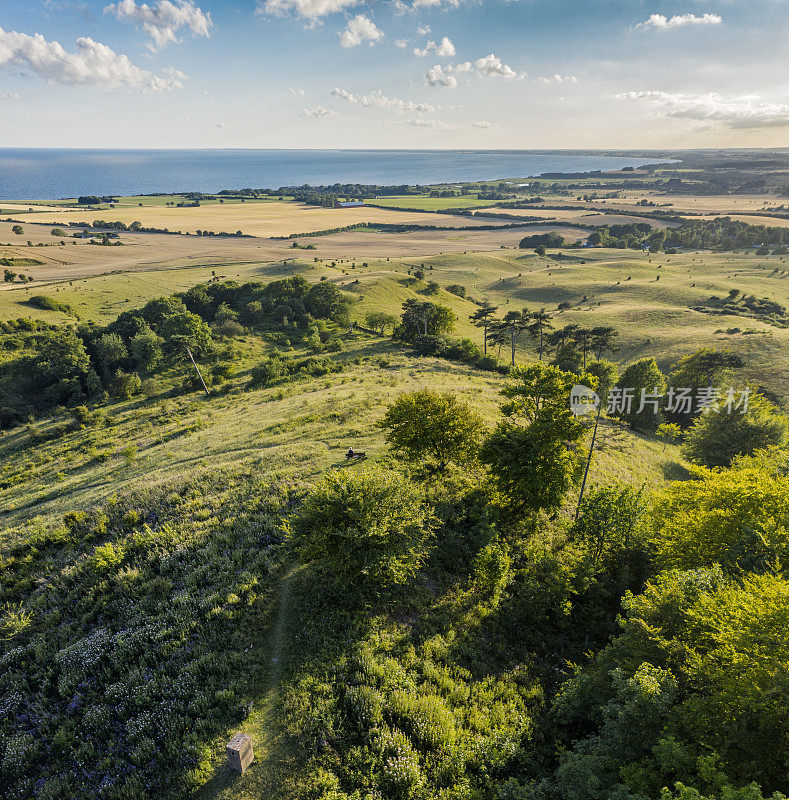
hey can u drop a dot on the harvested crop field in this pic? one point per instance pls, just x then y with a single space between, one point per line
78 259
263 219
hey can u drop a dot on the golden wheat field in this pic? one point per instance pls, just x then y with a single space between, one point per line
252 218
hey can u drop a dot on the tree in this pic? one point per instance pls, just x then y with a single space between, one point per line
146 349
511 327
582 339
721 434
9 276
532 454
609 523
497 336
18 230
538 327
638 394
109 349
605 374
540 250
669 432
668 698
380 321
325 301
568 359
438 426
701 369
545 239
738 518
179 327
482 319
602 340
423 318
366 529
62 355
561 337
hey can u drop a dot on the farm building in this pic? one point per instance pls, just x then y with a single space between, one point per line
349 204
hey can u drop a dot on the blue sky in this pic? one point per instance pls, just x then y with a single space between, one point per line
394 73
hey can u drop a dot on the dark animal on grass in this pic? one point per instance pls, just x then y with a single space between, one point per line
355 454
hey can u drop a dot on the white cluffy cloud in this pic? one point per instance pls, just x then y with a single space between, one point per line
380 100
662 23
484 124
434 124
492 67
360 29
489 66
163 19
92 64
559 79
441 76
432 3
310 9
444 49
746 111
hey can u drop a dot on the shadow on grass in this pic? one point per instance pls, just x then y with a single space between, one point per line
673 471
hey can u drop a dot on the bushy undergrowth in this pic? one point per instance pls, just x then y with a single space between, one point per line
399 721
122 651
279 369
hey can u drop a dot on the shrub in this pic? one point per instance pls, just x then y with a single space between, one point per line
47 303
545 239
364 528
126 384
642 379
738 518
718 436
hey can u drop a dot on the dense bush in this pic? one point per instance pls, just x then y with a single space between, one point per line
718 436
541 239
278 368
367 529
664 701
738 518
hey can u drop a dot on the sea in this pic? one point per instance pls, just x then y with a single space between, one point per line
48 174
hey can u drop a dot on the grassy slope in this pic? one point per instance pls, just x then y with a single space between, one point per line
295 432
652 310
290 434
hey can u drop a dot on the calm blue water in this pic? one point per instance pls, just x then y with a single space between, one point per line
38 174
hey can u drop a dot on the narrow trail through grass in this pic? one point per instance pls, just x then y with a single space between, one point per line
270 774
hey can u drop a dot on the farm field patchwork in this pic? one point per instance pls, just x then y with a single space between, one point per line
253 218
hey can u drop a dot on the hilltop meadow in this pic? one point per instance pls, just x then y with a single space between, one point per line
327 490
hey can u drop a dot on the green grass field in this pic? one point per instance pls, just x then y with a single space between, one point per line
426 203
648 299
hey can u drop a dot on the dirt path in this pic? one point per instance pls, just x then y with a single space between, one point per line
269 777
